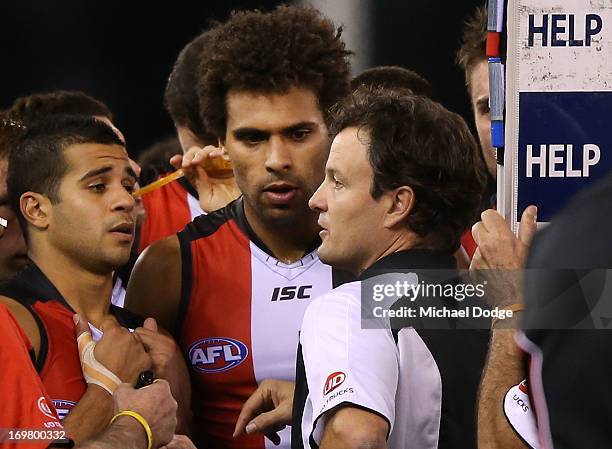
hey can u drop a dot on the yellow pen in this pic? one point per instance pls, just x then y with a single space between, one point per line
216 168
159 183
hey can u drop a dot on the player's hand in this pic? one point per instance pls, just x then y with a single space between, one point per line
268 410
165 354
214 192
498 248
500 256
119 351
155 403
179 442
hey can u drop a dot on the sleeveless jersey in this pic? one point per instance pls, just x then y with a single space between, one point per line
26 405
168 210
58 361
241 310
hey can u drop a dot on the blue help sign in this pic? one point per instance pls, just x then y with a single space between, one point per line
559 103
565 143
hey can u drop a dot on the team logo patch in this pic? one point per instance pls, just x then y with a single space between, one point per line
334 380
291 292
63 407
43 406
517 409
216 354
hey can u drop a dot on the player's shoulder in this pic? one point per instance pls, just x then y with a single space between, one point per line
156 274
345 293
8 307
159 259
207 225
339 303
162 249
16 313
12 304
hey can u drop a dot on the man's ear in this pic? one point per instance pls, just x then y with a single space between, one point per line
36 209
401 204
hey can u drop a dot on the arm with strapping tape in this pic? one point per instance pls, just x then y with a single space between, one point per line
105 366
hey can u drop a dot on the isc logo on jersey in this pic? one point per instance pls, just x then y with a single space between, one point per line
63 407
291 292
217 354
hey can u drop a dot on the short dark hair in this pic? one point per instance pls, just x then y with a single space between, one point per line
11 132
60 102
393 77
38 164
154 160
416 142
181 98
270 53
474 44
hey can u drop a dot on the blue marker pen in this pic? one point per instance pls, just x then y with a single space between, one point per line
496 101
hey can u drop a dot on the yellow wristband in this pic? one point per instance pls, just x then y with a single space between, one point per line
517 307
143 422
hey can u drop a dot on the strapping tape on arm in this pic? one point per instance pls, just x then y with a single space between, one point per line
93 371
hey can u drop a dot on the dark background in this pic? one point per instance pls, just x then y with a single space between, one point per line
121 52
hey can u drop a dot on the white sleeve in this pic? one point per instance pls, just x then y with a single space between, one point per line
345 363
519 413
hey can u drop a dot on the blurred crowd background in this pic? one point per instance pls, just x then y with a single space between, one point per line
121 52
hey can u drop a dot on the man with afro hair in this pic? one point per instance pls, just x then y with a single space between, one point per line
233 285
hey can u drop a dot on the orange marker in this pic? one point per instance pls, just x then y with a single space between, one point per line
216 168
159 183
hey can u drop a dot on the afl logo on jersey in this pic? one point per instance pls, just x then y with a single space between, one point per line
63 407
217 354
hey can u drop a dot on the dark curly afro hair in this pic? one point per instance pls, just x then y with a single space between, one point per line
270 53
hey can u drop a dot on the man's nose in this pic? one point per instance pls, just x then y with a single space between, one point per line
278 155
317 201
123 200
